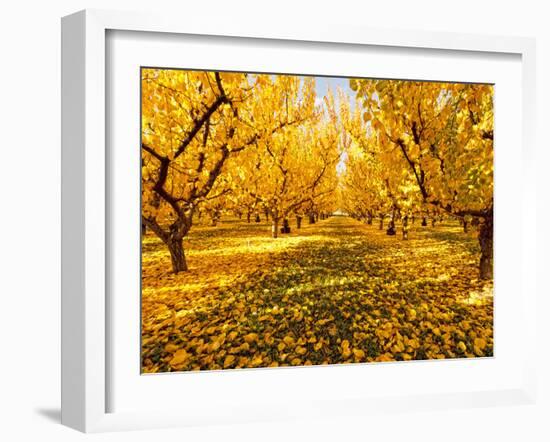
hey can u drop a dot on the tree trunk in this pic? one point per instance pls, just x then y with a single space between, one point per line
406 227
486 244
298 222
311 218
369 220
275 227
391 227
433 221
177 254
424 222
286 226
248 217
143 229
465 225
257 219
381 226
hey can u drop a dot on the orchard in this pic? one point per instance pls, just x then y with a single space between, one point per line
281 227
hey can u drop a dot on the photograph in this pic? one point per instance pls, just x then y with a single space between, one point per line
293 220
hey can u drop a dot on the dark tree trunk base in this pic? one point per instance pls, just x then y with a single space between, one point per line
486 244
286 227
405 228
177 255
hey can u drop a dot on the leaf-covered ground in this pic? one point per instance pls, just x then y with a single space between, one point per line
334 292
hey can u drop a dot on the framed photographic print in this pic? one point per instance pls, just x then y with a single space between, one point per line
272 223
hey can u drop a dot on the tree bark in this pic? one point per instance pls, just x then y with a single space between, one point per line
248 217
391 227
406 227
424 222
275 227
286 226
381 226
486 244
298 222
311 218
177 255
465 225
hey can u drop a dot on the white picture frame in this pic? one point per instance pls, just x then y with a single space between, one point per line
85 308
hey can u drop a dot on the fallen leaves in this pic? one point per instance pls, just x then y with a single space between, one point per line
179 359
228 361
336 292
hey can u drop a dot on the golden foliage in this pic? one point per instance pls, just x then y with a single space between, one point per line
339 292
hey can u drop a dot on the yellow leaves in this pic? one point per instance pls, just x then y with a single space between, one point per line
251 337
179 359
480 343
289 340
171 348
358 353
256 361
346 352
268 338
399 143
245 346
398 347
239 309
228 361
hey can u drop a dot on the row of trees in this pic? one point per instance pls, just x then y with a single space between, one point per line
421 149
259 144
211 140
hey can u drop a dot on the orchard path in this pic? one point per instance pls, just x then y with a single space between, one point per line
333 292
